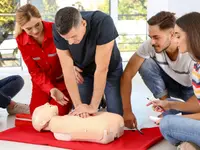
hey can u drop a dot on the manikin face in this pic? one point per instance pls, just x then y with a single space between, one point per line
160 39
42 115
75 35
181 39
34 27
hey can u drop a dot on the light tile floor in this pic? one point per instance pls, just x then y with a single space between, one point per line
139 95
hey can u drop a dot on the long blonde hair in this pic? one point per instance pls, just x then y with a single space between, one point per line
23 15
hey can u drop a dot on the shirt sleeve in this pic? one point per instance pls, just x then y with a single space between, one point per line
59 42
107 31
191 67
146 50
38 76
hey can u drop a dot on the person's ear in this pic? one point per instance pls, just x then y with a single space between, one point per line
172 33
84 23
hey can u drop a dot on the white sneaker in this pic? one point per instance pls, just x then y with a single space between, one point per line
188 146
19 108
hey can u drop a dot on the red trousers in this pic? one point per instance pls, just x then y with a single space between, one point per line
39 98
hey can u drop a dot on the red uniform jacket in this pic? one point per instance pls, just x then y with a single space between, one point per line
42 62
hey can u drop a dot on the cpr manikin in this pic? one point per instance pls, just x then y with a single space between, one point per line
103 127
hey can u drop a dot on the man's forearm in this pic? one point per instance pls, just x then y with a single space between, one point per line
191 105
99 86
125 90
195 116
72 87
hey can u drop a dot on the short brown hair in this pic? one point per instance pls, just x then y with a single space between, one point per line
67 18
23 15
190 24
164 19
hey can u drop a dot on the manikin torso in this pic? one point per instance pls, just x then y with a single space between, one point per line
103 127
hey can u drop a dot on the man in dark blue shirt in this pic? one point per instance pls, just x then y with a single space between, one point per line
88 54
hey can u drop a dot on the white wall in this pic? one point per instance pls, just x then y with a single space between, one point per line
180 7
155 6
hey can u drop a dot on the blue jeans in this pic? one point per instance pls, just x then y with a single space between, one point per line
178 129
112 90
9 87
161 84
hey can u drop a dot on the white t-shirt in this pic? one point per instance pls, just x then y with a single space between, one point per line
180 70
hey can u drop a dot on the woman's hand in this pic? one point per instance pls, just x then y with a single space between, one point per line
58 96
160 105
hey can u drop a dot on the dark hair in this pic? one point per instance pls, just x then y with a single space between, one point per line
190 24
163 19
67 18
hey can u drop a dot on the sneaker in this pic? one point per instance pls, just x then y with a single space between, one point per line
19 108
188 146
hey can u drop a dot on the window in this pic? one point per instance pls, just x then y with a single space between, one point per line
132 9
9 55
129 16
48 8
131 24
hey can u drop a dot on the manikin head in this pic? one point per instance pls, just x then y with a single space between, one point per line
42 115
161 31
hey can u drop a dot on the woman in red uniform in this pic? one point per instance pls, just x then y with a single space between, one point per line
35 41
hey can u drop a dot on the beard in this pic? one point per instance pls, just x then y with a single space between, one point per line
162 50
